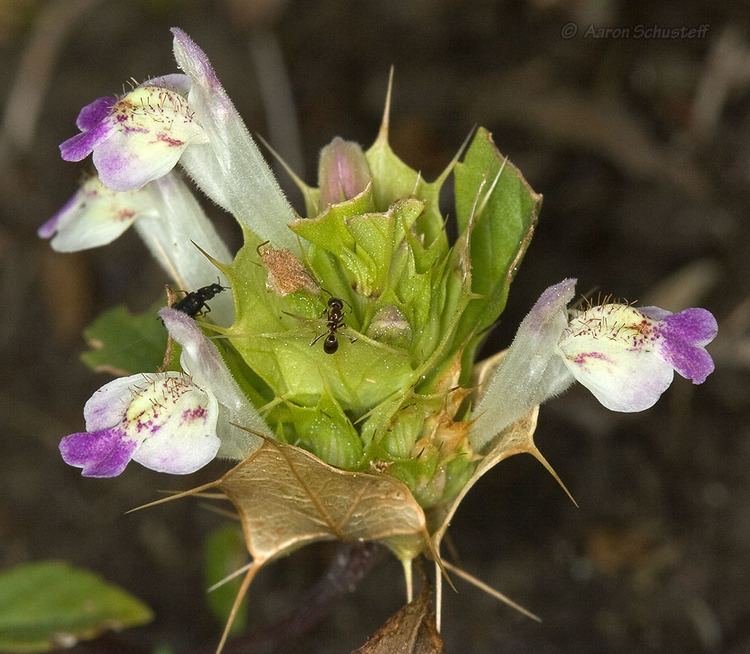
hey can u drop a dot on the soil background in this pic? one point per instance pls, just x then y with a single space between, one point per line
639 141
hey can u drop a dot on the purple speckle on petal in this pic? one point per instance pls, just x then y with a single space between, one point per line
125 214
169 140
198 413
103 453
583 357
129 129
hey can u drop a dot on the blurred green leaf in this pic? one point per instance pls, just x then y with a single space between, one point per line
123 343
224 552
50 605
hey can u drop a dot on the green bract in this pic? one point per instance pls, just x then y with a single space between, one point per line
415 309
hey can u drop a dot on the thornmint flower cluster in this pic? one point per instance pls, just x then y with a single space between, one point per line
349 332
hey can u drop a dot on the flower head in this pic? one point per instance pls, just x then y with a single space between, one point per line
94 216
371 268
627 356
162 421
413 307
139 137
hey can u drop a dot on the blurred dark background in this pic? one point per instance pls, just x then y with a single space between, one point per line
641 147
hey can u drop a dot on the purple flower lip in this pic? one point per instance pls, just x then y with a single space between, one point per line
684 337
95 125
104 453
95 112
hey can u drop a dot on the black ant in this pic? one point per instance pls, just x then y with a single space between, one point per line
334 321
195 302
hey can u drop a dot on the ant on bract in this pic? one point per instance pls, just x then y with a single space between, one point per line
334 321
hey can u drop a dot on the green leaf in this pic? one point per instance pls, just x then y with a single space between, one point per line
224 552
123 343
326 431
496 203
330 235
394 180
328 230
48 605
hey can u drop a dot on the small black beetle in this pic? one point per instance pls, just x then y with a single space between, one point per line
194 303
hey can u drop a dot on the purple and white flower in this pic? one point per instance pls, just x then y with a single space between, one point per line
625 356
187 118
170 421
168 218
162 421
94 216
139 137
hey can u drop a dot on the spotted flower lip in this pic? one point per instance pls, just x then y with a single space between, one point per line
162 421
139 137
627 356
94 216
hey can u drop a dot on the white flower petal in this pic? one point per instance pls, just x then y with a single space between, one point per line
186 440
620 377
95 216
